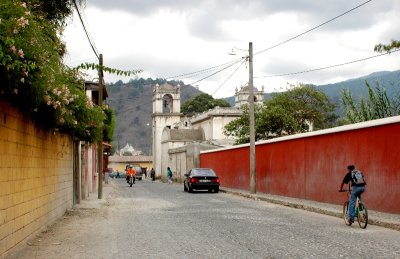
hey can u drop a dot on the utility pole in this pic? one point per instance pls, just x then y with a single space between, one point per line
252 130
100 143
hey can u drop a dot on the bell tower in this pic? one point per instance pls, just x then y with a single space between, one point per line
166 112
242 95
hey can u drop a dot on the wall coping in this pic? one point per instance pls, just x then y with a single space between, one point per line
355 126
216 112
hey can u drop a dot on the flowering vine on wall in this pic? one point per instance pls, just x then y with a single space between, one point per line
33 77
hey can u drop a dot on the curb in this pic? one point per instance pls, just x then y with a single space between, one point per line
376 222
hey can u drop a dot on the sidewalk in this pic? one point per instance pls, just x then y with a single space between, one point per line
93 202
386 220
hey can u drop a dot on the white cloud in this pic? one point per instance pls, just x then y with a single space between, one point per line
167 38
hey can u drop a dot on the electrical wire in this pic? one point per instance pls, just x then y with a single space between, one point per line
222 69
86 31
202 71
83 14
229 76
313 28
327 67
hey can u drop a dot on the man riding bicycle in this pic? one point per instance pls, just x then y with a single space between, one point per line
358 187
130 173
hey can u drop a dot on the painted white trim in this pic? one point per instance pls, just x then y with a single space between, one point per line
361 125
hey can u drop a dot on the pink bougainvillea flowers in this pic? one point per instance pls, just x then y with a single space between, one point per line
21 53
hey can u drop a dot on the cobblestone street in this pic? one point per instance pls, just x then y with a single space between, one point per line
158 220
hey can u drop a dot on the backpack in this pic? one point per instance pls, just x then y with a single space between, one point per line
358 177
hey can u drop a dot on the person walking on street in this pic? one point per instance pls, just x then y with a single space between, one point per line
153 174
169 175
358 187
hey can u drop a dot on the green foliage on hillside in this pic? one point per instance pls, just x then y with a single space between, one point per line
133 106
127 108
378 105
109 125
389 80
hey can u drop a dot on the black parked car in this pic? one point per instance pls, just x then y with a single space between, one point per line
201 179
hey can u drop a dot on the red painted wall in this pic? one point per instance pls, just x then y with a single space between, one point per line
313 165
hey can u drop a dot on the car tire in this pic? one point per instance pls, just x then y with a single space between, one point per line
216 190
184 188
190 189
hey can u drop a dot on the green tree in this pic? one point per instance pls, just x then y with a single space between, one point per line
306 104
378 105
239 128
285 113
109 124
202 103
55 11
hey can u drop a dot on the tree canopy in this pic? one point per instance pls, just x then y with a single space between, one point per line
202 103
286 113
55 11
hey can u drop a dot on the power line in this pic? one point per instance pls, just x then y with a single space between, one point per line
229 76
327 67
86 31
83 14
222 69
202 71
313 28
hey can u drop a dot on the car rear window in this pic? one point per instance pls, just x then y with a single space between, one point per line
203 172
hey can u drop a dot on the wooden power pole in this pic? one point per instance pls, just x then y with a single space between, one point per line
252 130
100 143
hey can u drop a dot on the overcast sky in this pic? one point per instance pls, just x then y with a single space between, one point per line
167 38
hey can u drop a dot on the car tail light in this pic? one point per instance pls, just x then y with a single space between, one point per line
193 180
215 180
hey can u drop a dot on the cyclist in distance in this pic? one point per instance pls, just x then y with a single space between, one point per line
358 187
130 173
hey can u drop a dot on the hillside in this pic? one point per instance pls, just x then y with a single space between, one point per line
389 80
132 103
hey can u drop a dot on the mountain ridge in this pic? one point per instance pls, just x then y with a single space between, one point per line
132 102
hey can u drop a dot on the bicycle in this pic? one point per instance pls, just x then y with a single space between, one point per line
361 212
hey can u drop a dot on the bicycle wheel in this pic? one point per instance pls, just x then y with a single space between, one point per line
346 213
362 216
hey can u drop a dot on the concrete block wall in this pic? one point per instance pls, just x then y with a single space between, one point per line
35 177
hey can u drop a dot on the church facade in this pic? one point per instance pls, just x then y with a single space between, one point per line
166 113
178 139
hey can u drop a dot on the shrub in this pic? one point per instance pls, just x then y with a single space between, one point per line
33 77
